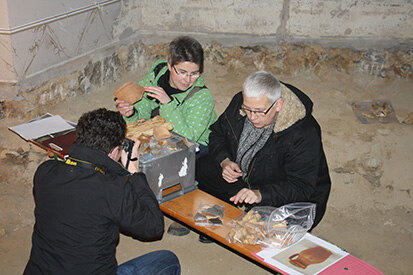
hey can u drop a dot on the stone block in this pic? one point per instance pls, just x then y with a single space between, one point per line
348 18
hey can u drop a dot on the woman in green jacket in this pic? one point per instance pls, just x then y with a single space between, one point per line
175 89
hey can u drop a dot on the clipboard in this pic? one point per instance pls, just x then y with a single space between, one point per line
59 145
56 143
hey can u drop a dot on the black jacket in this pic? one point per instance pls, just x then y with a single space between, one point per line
291 167
79 212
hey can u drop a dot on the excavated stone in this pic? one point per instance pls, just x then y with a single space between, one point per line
287 59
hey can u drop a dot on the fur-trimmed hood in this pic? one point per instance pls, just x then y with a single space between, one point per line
293 109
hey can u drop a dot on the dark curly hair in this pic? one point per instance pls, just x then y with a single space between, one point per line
186 49
101 129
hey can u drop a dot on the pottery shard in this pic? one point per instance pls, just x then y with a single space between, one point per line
129 92
161 132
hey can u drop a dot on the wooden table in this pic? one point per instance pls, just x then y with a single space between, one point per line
184 208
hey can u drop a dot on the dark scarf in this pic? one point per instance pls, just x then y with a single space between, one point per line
163 82
251 141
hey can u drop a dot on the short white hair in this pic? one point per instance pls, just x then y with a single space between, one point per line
262 83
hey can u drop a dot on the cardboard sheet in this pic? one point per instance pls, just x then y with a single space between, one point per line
337 261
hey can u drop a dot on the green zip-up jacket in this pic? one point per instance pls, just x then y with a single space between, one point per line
190 119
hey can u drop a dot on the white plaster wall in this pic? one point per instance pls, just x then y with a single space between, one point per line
23 12
38 48
4 15
62 40
350 18
227 16
6 54
308 18
7 74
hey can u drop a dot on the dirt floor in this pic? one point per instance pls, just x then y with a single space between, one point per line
369 212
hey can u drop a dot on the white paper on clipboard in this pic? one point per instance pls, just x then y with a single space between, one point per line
42 127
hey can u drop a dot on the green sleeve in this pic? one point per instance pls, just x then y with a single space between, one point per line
192 118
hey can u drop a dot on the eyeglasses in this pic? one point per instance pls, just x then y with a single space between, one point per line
257 113
185 74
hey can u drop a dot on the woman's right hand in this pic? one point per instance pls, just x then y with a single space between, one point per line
134 162
124 108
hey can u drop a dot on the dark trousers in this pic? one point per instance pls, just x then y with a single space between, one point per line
208 174
160 262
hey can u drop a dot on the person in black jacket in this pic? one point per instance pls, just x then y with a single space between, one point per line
266 149
82 203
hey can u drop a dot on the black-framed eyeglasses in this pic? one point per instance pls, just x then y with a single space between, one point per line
257 113
185 74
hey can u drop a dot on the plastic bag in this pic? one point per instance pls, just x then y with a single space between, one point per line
249 227
270 226
288 224
209 215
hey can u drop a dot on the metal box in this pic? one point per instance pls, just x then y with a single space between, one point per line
170 168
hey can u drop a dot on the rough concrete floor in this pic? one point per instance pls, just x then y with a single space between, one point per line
370 208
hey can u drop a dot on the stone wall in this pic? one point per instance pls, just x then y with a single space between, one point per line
95 43
288 59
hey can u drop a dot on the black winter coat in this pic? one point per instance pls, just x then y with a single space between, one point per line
291 167
79 213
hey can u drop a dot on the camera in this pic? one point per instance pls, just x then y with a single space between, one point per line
128 145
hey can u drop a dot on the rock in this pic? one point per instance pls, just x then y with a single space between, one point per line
375 56
15 157
409 119
123 53
350 167
370 164
2 109
8 154
20 150
373 179
372 170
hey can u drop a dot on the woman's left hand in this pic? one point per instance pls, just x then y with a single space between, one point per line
158 93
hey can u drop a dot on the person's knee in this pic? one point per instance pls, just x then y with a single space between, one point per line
201 163
166 254
205 170
173 266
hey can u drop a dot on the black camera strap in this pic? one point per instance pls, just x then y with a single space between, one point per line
84 164
129 158
155 112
